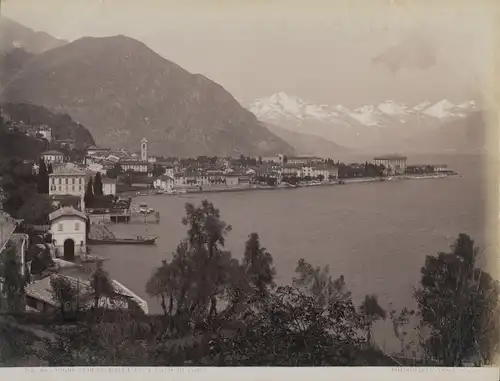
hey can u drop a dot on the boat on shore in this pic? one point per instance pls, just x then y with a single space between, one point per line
122 241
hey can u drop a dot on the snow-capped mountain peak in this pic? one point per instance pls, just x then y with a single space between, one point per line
280 106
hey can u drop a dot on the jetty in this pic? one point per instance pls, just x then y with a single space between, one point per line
122 216
100 235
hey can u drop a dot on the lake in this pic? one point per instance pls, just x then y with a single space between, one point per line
376 234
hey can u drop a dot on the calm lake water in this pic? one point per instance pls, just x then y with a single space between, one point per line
376 234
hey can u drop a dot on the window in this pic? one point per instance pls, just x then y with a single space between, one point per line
66 180
80 181
73 180
60 227
59 181
77 226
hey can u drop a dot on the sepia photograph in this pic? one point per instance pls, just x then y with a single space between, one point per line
249 184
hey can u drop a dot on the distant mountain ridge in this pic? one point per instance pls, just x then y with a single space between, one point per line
14 35
310 145
122 91
364 127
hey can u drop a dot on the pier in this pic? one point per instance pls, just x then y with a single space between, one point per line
123 216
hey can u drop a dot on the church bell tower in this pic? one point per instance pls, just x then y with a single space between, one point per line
144 149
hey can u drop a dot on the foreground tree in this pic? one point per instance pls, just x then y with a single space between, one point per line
64 293
102 286
258 264
14 282
459 304
371 312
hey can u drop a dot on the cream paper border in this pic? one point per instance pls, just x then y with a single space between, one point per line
492 198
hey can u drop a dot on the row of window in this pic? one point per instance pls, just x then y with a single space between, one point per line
60 226
60 188
59 181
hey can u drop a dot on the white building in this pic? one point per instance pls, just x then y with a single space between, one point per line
52 157
134 166
94 151
68 227
108 186
394 164
67 181
164 182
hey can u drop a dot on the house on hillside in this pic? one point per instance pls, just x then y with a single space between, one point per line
68 227
52 157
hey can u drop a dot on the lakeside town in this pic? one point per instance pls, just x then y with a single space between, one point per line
88 188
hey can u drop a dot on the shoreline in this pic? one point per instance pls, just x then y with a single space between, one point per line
288 187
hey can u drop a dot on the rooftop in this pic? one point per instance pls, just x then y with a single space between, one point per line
52 152
390 157
66 211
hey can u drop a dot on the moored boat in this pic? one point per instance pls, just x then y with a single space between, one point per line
122 241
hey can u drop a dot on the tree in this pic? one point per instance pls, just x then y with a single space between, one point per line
260 160
89 193
102 286
290 329
64 293
321 177
43 178
319 284
158 170
258 264
14 282
114 172
459 304
36 210
371 312
98 185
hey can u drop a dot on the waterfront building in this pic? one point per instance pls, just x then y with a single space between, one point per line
232 179
67 181
108 186
290 170
303 160
394 164
164 182
52 157
68 227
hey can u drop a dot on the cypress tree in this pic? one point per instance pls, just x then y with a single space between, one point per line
43 178
89 194
98 185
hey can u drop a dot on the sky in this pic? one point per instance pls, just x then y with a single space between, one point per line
319 50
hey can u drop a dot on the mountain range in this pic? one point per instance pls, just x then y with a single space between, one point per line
122 91
14 35
389 125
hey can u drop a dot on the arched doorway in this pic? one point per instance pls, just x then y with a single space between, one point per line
69 250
